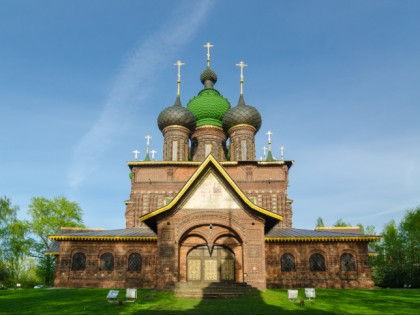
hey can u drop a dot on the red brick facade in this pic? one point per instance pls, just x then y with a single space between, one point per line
186 223
210 212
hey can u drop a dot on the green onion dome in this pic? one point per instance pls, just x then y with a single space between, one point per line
209 106
242 114
176 115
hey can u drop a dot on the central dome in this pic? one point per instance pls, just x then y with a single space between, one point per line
208 107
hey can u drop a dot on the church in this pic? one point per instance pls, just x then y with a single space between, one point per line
211 212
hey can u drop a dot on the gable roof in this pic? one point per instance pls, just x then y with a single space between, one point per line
209 162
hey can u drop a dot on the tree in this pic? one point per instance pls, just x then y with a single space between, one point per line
15 243
47 217
340 223
320 222
409 233
398 260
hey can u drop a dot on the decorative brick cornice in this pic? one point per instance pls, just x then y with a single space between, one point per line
176 128
242 127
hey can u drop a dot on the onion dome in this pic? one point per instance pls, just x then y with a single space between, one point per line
242 114
209 106
208 75
176 115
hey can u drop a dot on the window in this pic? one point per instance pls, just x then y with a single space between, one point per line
317 262
134 262
243 150
287 263
107 262
347 262
175 150
78 262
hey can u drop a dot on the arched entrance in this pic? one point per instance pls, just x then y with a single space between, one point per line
215 266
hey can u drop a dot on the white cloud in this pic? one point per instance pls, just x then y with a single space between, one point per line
132 86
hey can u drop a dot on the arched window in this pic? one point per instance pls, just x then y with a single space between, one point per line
347 262
317 262
134 262
78 262
288 263
107 262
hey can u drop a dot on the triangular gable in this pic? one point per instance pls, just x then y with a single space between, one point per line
210 161
210 194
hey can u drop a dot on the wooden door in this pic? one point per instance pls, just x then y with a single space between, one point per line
215 267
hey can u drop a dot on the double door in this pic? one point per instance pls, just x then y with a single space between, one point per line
217 266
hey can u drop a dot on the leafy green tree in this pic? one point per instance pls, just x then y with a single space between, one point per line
320 222
341 223
398 261
409 233
15 243
47 217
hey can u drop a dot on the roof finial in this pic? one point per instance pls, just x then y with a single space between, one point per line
208 46
269 133
147 158
269 154
282 153
179 63
241 65
153 152
136 154
265 152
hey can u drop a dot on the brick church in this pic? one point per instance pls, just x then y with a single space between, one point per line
210 211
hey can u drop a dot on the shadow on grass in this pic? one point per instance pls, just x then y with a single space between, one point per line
254 302
92 301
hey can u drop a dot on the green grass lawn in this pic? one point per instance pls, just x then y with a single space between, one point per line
92 301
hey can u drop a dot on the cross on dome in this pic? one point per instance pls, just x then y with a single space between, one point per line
241 65
208 46
179 63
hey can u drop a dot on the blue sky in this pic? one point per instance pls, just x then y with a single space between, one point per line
337 82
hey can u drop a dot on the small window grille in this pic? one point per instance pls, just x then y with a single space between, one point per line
317 262
134 262
78 262
107 262
288 263
347 262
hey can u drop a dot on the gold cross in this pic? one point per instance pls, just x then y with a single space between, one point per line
241 65
208 46
179 63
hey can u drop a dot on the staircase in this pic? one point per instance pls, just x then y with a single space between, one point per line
213 290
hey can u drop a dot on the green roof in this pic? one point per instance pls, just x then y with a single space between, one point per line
208 107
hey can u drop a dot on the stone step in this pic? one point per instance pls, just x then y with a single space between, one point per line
213 290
